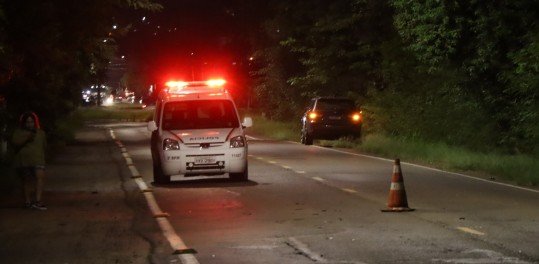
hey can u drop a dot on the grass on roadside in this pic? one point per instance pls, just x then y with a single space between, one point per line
275 129
129 112
520 169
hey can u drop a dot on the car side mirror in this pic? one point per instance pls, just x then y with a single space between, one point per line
152 126
247 122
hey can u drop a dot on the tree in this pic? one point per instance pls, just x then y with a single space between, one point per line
484 42
460 72
55 47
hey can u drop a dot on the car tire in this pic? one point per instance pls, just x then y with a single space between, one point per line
307 138
158 176
240 176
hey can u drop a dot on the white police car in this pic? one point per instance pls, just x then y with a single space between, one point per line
197 131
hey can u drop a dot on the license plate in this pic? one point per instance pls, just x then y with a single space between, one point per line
335 117
204 160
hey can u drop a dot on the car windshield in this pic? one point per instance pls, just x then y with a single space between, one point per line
334 105
201 114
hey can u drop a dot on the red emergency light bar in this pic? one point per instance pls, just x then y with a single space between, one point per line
195 86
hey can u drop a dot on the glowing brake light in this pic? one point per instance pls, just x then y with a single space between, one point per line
313 115
215 82
356 117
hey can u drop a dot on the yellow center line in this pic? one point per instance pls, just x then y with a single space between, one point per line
349 190
286 167
318 179
300 172
471 231
272 161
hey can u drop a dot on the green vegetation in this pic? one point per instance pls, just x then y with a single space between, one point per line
50 50
275 129
119 112
519 169
464 73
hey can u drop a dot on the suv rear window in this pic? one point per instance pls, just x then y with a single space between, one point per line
200 114
334 104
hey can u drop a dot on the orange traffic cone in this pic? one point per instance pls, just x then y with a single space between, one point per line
397 201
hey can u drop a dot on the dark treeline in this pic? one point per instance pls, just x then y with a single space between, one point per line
460 72
50 49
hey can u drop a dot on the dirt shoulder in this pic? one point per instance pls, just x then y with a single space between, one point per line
95 214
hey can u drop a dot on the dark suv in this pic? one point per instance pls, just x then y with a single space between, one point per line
330 118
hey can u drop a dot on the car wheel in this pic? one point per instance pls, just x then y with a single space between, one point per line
308 137
240 176
158 175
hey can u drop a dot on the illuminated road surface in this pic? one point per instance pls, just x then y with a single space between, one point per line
306 203
302 204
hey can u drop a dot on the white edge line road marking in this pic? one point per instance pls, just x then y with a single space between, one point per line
286 167
300 172
301 247
250 137
134 171
424 167
471 231
272 161
170 234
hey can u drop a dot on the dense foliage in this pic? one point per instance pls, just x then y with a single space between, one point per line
452 71
50 49
460 72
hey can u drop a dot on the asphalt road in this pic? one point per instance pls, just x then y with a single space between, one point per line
302 204
307 203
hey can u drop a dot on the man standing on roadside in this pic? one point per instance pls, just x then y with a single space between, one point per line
29 143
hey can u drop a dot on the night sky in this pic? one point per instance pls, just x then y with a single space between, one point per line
188 39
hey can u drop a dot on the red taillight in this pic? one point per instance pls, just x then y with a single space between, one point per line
356 117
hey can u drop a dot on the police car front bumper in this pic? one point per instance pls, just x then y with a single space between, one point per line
204 161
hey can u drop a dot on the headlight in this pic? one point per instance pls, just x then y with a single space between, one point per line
170 144
237 142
